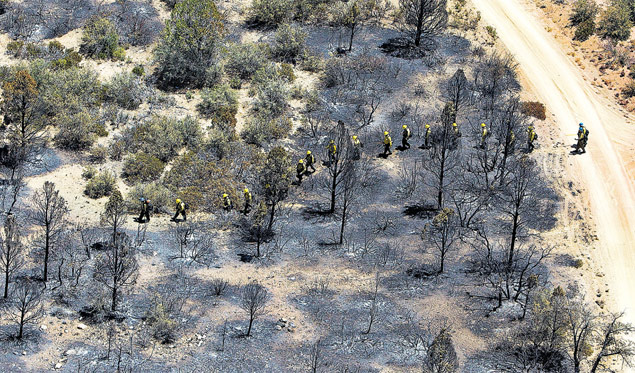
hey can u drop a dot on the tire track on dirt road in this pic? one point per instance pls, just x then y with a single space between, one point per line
603 170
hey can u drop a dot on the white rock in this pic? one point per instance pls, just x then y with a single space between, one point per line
70 352
43 327
59 366
81 326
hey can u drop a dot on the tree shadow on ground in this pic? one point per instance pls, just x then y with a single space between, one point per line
421 211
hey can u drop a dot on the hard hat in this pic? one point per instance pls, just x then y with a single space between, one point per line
482 124
225 195
427 126
454 124
301 161
178 200
332 141
354 137
246 190
147 200
404 126
308 152
142 199
581 124
385 133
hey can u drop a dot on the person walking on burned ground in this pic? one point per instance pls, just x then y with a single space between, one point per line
531 137
583 139
180 210
427 137
248 199
145 211
357 148
309 160
227 202
387 144
405 136
300 170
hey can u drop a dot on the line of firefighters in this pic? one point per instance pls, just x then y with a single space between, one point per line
303 166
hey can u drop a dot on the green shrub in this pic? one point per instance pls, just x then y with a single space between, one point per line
89 172
15 47
67 91
190 46
286 72
162 137
160 197
117 148
220 104
272 97
615 22
142 167
629 90
101 185
270 13
71 59
76 132
100 40
584 30
98 154
289 43
201 182
578 263
126 90
164 327
491 31
584 11
311 62
262 129
139 70
243 60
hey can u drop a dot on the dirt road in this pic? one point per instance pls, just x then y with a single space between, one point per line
607 169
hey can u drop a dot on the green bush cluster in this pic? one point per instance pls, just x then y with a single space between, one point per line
220 104
188 54
243 60
201 182
270 13
161 137
142 167
262 129
75 131
289 43
100 40
159 196
127 90
101 185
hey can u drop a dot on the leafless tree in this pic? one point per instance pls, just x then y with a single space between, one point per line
316 357
443 158
117 269
354 15
457 90
495 79
194 242
356 178
339 164
372 310
254 298
421 20
49 213
73 259
26 305
114 214
254 228
12 254
612 340
443 233
508 124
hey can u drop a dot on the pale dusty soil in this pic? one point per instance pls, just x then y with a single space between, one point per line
605 173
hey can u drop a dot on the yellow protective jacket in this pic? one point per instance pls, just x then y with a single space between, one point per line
387 140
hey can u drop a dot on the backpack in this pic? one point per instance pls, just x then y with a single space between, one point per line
187 207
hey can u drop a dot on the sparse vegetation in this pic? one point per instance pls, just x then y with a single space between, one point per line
261 125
